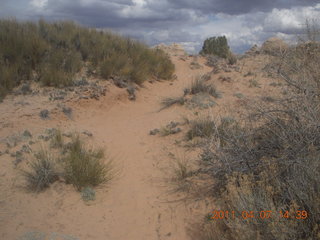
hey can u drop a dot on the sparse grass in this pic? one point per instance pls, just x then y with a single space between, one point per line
181 173
170 101
57 140
52 53
42 172
202 127
84 167
165 131
182 169
254 83
199 85
239 95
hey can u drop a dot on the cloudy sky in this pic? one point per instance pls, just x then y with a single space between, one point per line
189 22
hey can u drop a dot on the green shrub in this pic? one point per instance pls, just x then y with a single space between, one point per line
216 46
55 52
84 168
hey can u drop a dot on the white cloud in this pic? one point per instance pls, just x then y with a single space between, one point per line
187 22
39 4
285 20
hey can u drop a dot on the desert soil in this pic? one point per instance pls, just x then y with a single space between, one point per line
138 203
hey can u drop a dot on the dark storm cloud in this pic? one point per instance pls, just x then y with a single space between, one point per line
239 6
188 22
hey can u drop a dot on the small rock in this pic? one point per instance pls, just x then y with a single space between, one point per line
88 194
154 131
27 134
89 134
44 114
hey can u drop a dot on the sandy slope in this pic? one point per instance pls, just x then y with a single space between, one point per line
135 205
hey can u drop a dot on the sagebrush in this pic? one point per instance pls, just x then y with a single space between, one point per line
269 161
52 53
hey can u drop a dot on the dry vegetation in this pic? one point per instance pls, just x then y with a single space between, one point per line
270 160
52 54
73 161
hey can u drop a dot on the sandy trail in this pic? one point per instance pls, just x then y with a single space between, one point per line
134 205
137 204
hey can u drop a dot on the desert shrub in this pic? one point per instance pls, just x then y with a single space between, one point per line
57 140
84 167
201 127
55 52
54 77
232 59
254 83
270 162
170 101
199 85
42 172
216 46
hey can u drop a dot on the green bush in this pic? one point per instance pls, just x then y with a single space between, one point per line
216 46
84 167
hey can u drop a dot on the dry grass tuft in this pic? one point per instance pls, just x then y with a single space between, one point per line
84 167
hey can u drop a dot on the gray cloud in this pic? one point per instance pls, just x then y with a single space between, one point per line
240 7
187 22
